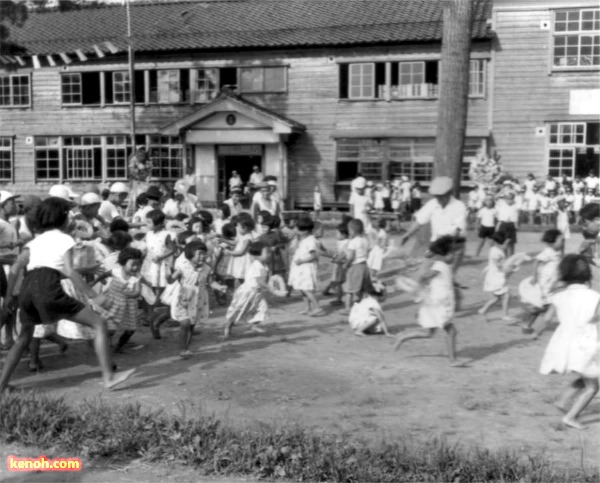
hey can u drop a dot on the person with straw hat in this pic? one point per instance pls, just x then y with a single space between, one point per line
446 216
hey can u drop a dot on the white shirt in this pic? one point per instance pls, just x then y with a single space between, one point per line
592 182
8 235
360 246
48 250
360 208
507 213
256 178
444 221
488 216
108 211
529 184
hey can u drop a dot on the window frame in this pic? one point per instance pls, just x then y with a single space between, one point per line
125 92
579 34
362 84
11 91
48 147
62 86
560 139
11 158
482 70
263 89
196 91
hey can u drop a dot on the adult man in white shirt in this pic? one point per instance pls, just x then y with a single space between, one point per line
592 181
109 209
358 181
445 214
361 204
256 177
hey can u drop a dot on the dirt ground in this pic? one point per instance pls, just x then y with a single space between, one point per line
315 372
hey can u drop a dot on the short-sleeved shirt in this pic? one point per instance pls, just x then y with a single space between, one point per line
108 211
444 220
257 272
507 213
360 246
8 235
48 250
487 216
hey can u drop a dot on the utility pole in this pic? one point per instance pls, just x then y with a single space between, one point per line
131 58
454 88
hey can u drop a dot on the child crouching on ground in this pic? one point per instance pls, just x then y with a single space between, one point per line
437 307
366 317
248 302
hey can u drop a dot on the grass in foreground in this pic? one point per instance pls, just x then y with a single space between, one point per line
96 429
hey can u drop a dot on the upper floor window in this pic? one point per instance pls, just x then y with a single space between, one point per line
402 80
567 133
121 87
577 38
207 85
15 90
6 159
262 79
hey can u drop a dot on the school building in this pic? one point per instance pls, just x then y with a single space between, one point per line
312 91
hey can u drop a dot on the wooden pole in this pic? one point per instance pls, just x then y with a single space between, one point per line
131 58
454 89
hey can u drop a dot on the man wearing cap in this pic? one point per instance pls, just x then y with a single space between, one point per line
89 208
109 208
445 214
359 181
361 204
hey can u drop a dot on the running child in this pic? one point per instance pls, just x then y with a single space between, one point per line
437 307
249 304
487 217
241 259
42 299
495 277
303 269
575 345
357 275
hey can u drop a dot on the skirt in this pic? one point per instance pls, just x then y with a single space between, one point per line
357 279
375 258
42 299
248 305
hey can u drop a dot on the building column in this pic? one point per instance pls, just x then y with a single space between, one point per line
206 172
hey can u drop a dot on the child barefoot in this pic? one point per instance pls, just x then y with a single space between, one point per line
437 308
248 302
376 254
240 257
486 219
42 298
495 277
357 276
575 346
366 317
189 305
339 263
303 271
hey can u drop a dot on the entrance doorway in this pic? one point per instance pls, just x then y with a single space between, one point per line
236 157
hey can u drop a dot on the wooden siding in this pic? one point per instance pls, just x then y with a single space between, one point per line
526 92
312 99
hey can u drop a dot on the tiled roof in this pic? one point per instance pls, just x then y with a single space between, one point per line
227 24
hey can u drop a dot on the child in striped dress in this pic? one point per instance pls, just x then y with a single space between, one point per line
122 295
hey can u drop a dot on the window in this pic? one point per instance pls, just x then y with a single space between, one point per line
477 78
168 87
117 150
71 88
121 88
83 157
166 153
262 79
6 159
567 133
412 79
47 158
14 91
561 162
361 81
207 85
577 38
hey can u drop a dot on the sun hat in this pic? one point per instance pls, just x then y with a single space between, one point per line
62 191
360 183
441 185
153 193
30 201
90 199
272 182
6 195
119 187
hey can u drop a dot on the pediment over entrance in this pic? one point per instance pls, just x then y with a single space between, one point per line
231 112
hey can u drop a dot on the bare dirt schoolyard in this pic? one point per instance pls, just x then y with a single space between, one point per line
315 372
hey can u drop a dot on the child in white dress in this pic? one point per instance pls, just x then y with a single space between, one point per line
317 202
545 273
575 345
377 252
366 317
495 277
240 257
249 304
438 302
160 246
303 269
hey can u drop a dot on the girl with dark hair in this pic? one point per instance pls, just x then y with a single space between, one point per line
42 299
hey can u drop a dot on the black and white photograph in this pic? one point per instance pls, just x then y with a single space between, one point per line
300 241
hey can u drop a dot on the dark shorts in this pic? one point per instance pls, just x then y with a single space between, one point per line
42 299
486 231
509 229
3 282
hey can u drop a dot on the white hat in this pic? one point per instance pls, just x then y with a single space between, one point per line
369 183
440 186
90 199
119 187
6 195
62 191
359 183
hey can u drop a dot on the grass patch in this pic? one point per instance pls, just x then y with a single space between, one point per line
96 429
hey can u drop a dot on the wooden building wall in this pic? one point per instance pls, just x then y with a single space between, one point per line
527 93
311 99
